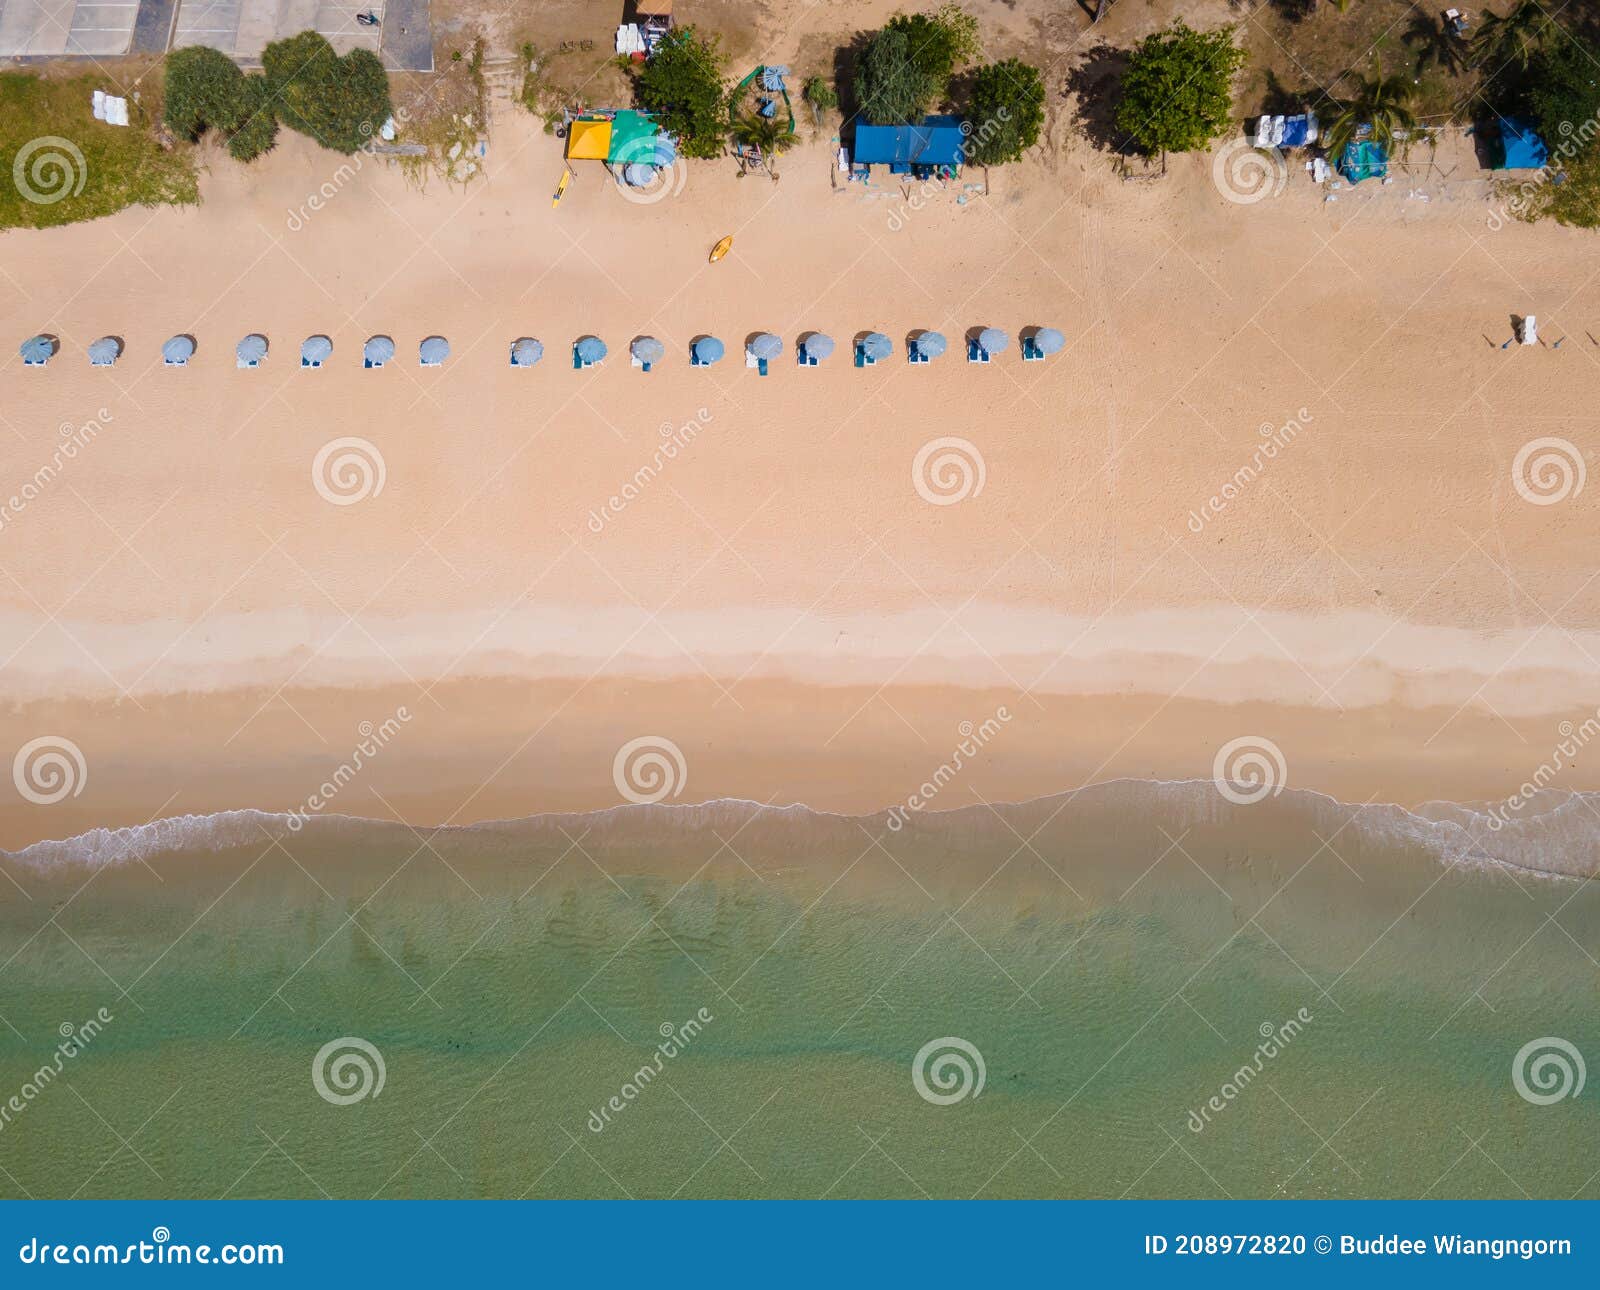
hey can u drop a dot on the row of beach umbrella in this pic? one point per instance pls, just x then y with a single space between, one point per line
644 352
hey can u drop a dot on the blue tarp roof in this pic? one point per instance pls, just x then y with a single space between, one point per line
1522 149
936 142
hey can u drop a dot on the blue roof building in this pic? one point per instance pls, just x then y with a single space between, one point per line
937 142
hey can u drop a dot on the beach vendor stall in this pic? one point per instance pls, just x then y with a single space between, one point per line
932 150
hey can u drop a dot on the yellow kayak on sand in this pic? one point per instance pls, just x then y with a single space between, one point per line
721 249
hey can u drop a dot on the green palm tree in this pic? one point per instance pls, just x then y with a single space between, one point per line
771 136
1514 38
1383 102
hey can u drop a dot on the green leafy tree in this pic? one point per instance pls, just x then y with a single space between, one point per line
820 95
1564 93
1382 102
257 129
940 42
891 87
1177 94
339 102
1513 38
1007 111
683 85
204 91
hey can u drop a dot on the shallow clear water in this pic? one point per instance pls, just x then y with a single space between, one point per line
1114 960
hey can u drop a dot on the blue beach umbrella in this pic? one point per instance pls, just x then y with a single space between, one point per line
708 349
177 351
250 350
932 344
315 350
377 351
819 346
525 352
876 345
38 350
636 174
434 351
647 349
991 340
1047 340
105 351
591 349
764 345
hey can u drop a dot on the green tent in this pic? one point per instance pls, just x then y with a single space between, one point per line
633 138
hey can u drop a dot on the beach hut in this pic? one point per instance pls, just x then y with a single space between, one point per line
315 351
926 347
105 352
377 351
935 148
1040 343
36 351
178 351
589 351
761 349
433 351
986 344
871 348
705 351
526 351
250 351
646 351
813 349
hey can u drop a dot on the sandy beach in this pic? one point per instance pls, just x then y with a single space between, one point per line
787 594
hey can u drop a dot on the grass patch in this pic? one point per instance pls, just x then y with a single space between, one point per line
84 168
448 116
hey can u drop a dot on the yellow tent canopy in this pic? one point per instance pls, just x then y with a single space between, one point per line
588 140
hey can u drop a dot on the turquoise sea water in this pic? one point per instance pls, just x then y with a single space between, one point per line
1114 962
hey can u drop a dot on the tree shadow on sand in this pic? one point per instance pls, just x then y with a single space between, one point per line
1096 83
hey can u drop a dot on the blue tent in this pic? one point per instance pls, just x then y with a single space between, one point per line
938 141
706 351
1520 148
525 352
433 351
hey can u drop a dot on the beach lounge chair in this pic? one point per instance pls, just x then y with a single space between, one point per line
588 351
250 351
926 347
872 347
433 351
377 351
1040 343
988 342
105 352
526 351
315 351
1530 330
813 349
705 351
178 351
36 351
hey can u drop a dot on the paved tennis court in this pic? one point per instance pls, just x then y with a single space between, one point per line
40 28
243 28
